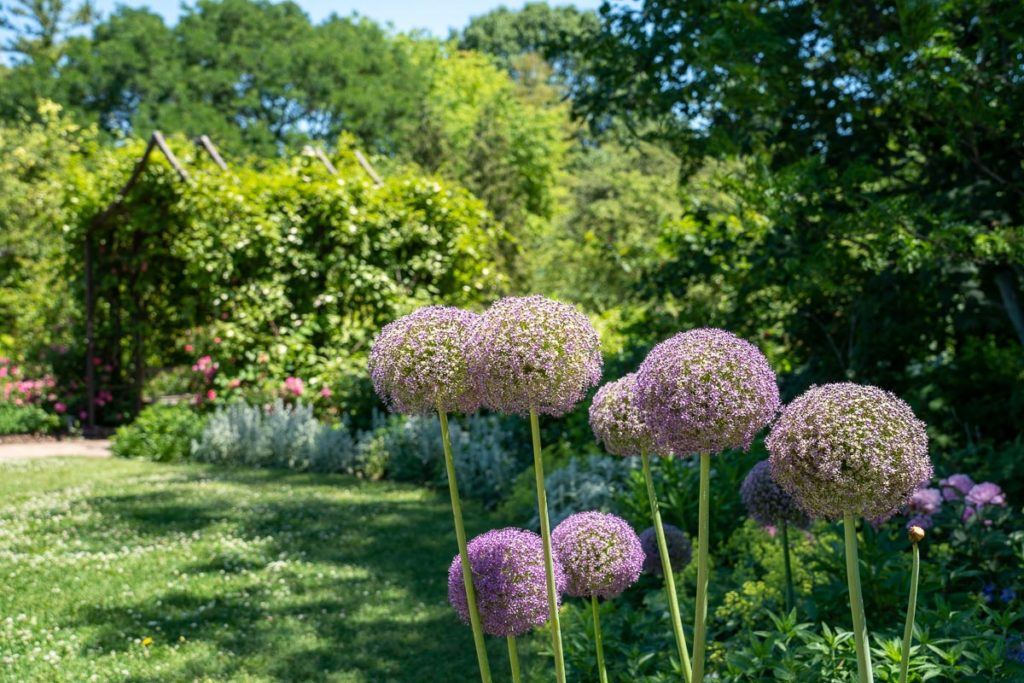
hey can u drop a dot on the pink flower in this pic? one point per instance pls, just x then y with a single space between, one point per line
234 384
189 348
82 414
4 371
97 360
60 408
211 395
216 340
326 392
294 386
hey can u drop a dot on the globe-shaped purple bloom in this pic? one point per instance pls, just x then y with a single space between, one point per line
766 502
925 502
956 486
418 362
532 352
600 553
616 420
679 547
986 493
510 583
849 449
704 391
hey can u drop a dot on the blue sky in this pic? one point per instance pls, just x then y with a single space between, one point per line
437 16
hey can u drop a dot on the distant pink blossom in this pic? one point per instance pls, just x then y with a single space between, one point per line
216 340
326 392
294 386
235 383
211 395
189 348
60 408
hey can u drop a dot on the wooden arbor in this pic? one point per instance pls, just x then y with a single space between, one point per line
157 143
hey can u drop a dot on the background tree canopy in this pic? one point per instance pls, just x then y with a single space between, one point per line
841 184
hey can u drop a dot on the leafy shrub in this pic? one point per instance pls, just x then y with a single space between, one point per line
161 432
26 419
278 435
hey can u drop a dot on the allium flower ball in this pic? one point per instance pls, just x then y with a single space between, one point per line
616 420
925 502
706 390
986 493
600 553
679 549
849 449
956 486
766 502
532 352
509 579
418 363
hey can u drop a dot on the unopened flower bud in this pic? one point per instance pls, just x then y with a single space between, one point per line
915 534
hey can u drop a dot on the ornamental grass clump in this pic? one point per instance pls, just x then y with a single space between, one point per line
418 365
768 505
845 451
602 557
705 391
620 426
510 577
531 356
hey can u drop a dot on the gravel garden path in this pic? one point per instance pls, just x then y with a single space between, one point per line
92 448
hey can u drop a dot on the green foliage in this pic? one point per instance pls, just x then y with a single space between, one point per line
274 271
483 131
252 74
27 419
555 34
161 432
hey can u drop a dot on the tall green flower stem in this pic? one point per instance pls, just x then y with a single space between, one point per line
860 629
788 567
513 659
666 570
602 673
701 615
460 535
908 630
545 534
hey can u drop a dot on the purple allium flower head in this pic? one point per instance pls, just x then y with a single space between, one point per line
616 420
766 502
849 449
925 502
956 486
418 363
600 553
986 493
679 549
532 352
510 583
706 390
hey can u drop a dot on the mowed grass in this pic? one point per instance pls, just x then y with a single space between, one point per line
234 575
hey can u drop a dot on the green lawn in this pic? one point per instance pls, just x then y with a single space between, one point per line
234 574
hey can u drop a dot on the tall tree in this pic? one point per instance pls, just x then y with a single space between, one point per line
553 33
903 116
